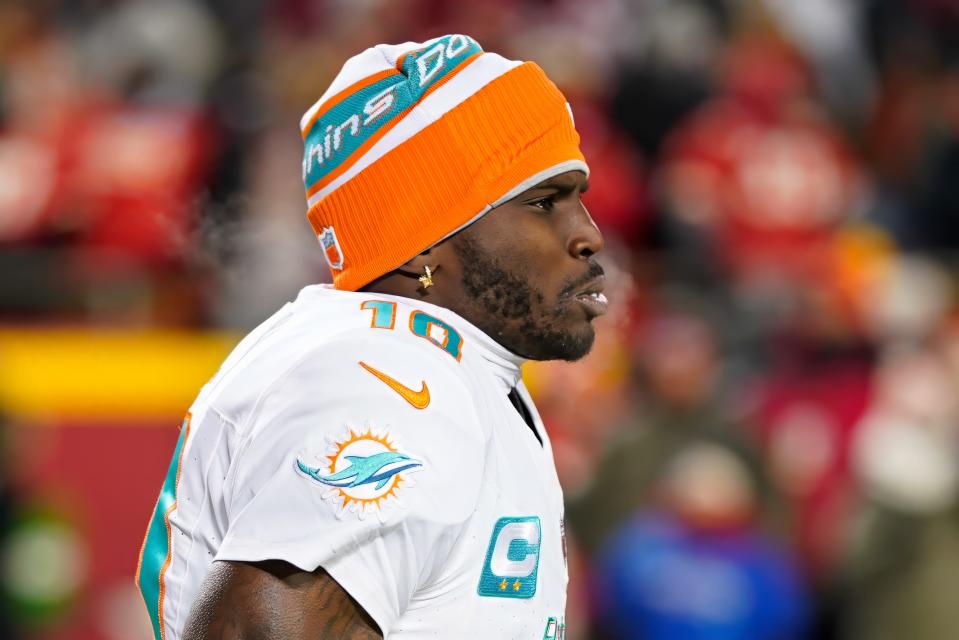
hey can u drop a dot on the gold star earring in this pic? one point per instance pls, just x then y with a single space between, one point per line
427 278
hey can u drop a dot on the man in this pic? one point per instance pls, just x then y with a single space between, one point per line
367 463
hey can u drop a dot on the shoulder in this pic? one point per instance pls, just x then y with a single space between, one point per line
376 403
393 370
346 325
332 343
359 377
384 331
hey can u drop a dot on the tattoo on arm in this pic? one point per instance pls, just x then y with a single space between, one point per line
254 601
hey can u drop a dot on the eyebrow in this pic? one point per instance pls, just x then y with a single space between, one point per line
562 186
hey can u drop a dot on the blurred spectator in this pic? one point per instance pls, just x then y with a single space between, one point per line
912 136
806 409
759 170
829 34
668 52
905 552
698 568
676 405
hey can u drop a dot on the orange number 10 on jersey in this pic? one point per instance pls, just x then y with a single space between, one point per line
421 324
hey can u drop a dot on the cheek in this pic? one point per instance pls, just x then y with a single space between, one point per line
548 265
545 281
532 248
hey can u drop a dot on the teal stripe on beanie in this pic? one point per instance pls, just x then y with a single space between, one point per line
339 132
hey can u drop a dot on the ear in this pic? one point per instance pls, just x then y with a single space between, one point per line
435 257
414 266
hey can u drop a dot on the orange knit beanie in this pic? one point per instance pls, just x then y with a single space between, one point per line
414 142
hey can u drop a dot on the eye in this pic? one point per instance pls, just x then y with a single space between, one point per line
546 204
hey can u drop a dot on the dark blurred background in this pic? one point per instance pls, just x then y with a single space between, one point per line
764 443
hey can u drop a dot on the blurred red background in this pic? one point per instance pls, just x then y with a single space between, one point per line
768 423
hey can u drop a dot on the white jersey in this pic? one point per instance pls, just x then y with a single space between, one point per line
372 436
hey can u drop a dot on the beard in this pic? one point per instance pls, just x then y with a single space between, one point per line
515 313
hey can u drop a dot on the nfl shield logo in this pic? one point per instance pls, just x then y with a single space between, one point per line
331 248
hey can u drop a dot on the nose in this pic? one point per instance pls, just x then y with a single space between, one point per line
585 239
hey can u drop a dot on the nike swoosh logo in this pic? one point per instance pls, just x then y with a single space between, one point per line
419 399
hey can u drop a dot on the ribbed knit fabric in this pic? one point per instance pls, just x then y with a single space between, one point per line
438 178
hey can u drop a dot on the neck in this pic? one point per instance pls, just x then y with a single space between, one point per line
408 286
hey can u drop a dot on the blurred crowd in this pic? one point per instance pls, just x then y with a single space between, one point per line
764 443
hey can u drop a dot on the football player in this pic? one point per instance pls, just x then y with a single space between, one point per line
367 463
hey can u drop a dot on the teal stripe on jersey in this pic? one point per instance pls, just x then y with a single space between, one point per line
339 132
156 547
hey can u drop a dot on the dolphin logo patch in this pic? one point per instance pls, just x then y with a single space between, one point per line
363 471
378 468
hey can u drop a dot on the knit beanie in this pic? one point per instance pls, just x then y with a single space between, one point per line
414 142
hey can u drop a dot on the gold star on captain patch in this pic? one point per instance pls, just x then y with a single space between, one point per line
517 585
502 585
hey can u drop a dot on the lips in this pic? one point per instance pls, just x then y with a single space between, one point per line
592 298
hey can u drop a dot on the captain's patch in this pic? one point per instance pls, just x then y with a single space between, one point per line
512 559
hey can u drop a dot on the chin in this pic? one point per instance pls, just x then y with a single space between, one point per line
581 344
568 344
